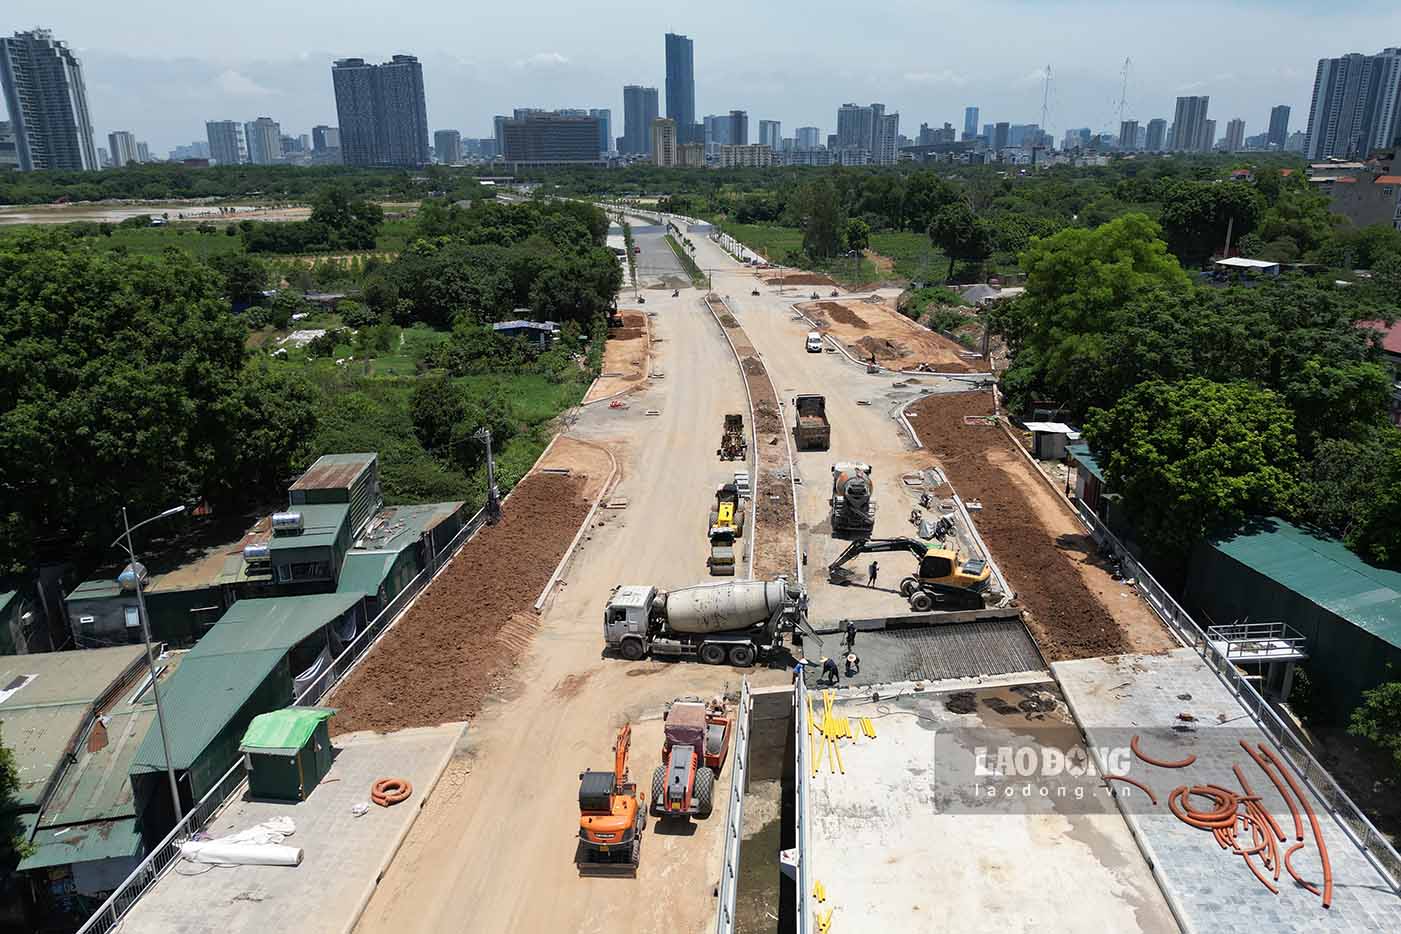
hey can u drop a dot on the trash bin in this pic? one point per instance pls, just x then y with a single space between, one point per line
287 752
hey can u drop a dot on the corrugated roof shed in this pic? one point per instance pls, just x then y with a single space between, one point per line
46 699
333 472
100 588
362 572
1081 454
1323 571
223 670
395 527
321 523
60 846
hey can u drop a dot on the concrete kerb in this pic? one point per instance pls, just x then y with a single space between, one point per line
583 526
753 438
1145 848
423 796
646 373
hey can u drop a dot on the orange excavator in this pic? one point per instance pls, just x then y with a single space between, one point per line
612 816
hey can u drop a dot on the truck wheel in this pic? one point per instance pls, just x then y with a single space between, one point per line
907 587
705 792
658 790
712 653
632 650
921 602
741 656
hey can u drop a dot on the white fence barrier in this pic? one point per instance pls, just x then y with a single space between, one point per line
734 817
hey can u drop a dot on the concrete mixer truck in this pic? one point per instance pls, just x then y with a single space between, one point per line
853 499
738 621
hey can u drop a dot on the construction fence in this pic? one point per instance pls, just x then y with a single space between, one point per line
165 854
734 816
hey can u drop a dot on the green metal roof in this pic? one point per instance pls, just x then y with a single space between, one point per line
224 668
82 843
321 525
285 731
1081 452
1324 571
100 588
362 572
5 599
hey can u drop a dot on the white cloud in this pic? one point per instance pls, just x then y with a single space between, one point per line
543 60
236 84
936 77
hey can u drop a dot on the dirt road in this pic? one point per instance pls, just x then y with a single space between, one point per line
494 850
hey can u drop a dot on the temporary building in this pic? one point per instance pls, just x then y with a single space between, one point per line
288 752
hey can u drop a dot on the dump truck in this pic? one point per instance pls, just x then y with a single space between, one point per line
611 816
736 620
733 445
811 429
942 580
853 499
695 744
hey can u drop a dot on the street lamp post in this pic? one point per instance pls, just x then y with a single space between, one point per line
493 502
125 540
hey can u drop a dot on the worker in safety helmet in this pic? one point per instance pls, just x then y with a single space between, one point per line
830 673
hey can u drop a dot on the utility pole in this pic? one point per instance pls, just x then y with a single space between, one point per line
493 497
1124 91
1046 101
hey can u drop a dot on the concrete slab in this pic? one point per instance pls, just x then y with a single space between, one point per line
929 653
344 857
1211 890
906 840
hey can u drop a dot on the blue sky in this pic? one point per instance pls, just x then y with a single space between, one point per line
162 69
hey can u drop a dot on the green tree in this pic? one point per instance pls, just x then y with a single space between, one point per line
1197 215
13 845
245 277
858 234
957 231
1301 216
820 218
1378 718
1195 457
353 222
356 314
488 407
437 409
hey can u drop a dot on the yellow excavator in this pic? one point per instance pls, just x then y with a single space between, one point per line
612 816
941 581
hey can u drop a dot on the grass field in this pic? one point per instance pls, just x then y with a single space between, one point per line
912 255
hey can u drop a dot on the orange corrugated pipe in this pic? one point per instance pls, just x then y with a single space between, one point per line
1313 822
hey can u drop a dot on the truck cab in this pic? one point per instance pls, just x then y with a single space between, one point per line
627 620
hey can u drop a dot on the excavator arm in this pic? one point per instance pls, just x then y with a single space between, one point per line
866 546
620 756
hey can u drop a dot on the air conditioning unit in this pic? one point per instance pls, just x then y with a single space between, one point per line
257 554
287 523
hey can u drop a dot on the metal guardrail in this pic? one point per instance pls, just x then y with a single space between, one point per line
734 818
800 806
165 853
1374 845
1258 640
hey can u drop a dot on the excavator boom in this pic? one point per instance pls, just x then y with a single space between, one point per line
865 546
620 757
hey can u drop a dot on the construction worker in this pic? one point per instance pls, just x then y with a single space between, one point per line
853 664
829 671
850 635
798 667
874 570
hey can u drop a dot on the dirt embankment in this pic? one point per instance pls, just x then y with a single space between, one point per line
875 330
624 357
465 634
1066 617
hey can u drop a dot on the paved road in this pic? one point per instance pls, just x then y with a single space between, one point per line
494 851
657 265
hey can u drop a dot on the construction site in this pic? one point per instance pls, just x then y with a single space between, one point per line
775 640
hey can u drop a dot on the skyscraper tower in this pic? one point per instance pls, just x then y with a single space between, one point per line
681 84
382 111
639 110
1279 126
1189 132
1356 105
970 122
48 103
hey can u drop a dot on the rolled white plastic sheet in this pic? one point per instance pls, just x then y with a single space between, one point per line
242 854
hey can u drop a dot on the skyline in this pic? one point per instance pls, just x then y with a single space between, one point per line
166 100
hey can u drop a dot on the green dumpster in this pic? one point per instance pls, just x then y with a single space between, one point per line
288 751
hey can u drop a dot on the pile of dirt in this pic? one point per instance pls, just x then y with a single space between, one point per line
881 349
729 321
627 333
800 278
773 550
1064 616
753 367
767 421
843 315
466 632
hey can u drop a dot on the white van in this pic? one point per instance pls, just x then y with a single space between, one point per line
814 344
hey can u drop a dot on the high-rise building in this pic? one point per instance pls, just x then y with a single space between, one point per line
1279 126
639 110
681 83
1128 134
739 128
264 139
382 111
1156 138
716 130
855 127
447 146
547 138
604 116
754 155
664 142
48 103
1235 135
9 156
970 122
808 137
122 144
885 147
1190 133
143 152
498 125
226 143
1001 136
325 137
1356 105
1209 134
771 134
691 155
